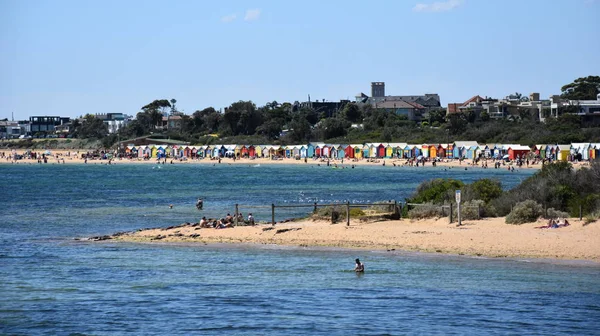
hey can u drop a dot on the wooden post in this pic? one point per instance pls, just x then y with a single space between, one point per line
273 214
347 213
478 211
400 210
450 212
315 210
580 211
458 214
235 220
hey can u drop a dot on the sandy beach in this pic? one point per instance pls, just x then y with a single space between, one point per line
489 237
72 157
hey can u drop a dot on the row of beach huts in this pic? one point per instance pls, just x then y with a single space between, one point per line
456 150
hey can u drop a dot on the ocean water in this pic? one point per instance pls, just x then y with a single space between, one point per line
52 284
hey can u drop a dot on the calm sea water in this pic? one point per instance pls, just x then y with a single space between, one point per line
54 285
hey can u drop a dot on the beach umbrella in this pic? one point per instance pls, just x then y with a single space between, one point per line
420 157
505 157
48 152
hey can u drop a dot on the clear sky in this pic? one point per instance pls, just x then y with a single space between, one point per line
72 57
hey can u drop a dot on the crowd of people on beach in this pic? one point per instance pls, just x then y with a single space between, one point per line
228 221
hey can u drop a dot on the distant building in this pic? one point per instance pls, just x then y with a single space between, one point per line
46 124
378 89
512 105
412 111
114 121
9 129
329 109
413 106
589 110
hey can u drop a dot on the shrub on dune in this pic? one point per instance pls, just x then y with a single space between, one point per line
525 212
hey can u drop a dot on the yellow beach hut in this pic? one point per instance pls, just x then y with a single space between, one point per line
563 152
358 154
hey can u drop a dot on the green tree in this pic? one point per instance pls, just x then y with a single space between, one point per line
438 115
456 123
485 116
159 105
299 131
352 113
583 88
485 190
92 127
173 108
334 128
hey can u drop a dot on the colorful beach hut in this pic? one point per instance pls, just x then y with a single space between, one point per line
563 152
357 148
594 151
432 150
349 151
580 150
380 151
518 151
424 150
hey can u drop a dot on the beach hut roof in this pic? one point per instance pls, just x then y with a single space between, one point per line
465 143
580 146
519 147
398 144
444 146
564 147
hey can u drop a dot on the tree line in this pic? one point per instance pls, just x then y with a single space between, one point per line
293 123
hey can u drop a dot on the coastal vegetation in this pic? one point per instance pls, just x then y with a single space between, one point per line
244 122
557 190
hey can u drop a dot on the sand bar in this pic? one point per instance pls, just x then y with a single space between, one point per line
488 237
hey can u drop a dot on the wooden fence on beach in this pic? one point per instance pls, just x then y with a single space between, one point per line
394 208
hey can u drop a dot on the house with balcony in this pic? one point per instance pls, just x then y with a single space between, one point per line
511 105
589 110
9 129
46 124
114 121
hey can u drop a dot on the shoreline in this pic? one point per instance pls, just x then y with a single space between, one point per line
490 237
60 157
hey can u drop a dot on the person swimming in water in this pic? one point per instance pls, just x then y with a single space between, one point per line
360 267
199 204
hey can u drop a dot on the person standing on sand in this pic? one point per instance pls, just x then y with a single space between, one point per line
360 267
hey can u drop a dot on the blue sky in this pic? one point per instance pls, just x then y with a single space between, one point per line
70 58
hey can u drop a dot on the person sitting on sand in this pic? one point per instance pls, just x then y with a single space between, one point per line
250 219
223 224
204 223
228 219
360 267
